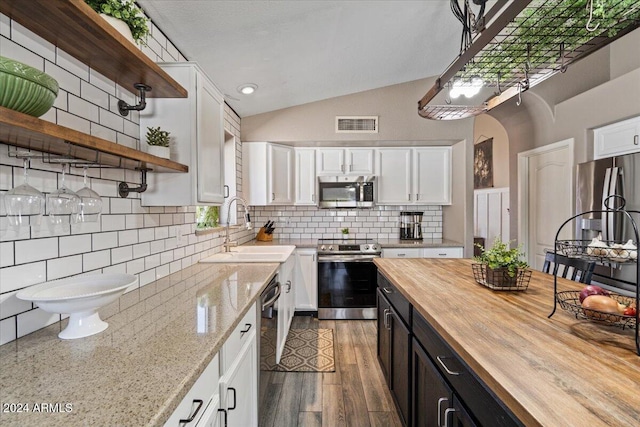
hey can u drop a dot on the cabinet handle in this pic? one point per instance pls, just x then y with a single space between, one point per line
449 371
350 168
225 416
417 197
409 196
226 191
288 284
384 319
313 197
442 254
193 416
313 257
387 290
234 398
244 331
446 416
342 168
442 399
402 255
636 139
273 196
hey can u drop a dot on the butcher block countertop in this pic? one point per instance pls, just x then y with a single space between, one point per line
550 372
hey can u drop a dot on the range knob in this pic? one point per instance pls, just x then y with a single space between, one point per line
322 248
367 247
330 248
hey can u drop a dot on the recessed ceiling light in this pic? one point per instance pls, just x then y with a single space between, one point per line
247 89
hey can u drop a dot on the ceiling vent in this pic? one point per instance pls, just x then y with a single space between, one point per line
356 124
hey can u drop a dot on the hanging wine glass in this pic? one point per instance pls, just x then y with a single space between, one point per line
24 204
63 204
90 203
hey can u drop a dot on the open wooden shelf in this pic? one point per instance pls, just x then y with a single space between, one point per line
77 29
22 130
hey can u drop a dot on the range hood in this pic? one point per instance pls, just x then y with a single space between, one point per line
524 42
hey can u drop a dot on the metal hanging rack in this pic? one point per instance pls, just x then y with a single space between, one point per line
569 300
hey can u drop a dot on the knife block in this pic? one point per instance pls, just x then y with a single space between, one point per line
264 237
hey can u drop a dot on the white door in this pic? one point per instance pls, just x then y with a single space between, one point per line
491 214
305 176
360 161
306 280
432 175
210 143
281 174
330 161
546 182
394 175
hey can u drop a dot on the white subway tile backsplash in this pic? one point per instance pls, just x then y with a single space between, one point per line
10 305
136 266
75 244
33 320
120 206
141 250
113 222
82 108
71 64
74 122
162 233
35 250
100 81
146 234
6 254
31 41
122 254
8 331
103 132
94 260
127 141
20 276
111 120
63 267
94 94
128 237
5 26
134 221
65 79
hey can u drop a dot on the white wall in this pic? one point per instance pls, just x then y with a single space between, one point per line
148 242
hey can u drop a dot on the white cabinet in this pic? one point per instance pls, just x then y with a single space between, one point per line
197 140
402 253
443 252
268 173
617 139
239 368
306 280
285 304
394 176
437 252
409 176
201 403
351 161
305 183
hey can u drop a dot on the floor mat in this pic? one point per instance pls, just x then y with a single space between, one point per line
306 350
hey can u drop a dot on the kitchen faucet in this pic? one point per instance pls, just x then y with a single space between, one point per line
227 242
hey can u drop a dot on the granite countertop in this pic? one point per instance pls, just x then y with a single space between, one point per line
138 370
425 243
557 371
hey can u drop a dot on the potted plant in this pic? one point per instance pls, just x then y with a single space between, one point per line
158 141
345 233
501 263
117 12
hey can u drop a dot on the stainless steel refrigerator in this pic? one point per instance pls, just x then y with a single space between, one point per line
595 181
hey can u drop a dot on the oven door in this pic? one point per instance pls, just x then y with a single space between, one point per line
347 287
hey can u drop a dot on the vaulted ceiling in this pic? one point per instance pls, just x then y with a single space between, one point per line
298 52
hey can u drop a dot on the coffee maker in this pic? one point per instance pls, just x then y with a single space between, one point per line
410 225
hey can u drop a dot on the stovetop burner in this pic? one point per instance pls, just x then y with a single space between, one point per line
348 246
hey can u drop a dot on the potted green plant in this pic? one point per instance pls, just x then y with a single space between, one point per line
158 141
501 263
136 26
345 233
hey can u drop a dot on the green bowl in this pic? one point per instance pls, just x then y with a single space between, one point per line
26 89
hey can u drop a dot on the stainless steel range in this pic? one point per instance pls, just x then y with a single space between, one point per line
347 278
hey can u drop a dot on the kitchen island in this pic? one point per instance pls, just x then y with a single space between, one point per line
161 337
548 372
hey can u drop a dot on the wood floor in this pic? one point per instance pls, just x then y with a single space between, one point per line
355 395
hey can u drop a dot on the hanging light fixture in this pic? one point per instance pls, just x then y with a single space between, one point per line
468 90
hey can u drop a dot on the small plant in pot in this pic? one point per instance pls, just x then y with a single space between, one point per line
502 263
345 233
135 28
158 141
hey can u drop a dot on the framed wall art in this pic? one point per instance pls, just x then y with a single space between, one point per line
483 164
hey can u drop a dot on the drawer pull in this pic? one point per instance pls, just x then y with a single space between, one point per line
635 139
402 255
444 254
225 416
234 398
200 402
248 328
288 285
387 290
446 416
440 401
449 371
386 318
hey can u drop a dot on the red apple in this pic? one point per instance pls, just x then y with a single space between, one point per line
592 290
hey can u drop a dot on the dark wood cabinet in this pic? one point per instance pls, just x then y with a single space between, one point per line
431 395
394 347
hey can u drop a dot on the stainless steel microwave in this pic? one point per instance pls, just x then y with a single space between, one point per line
346 191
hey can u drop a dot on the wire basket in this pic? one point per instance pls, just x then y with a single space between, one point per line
570 301
609 252
499 280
